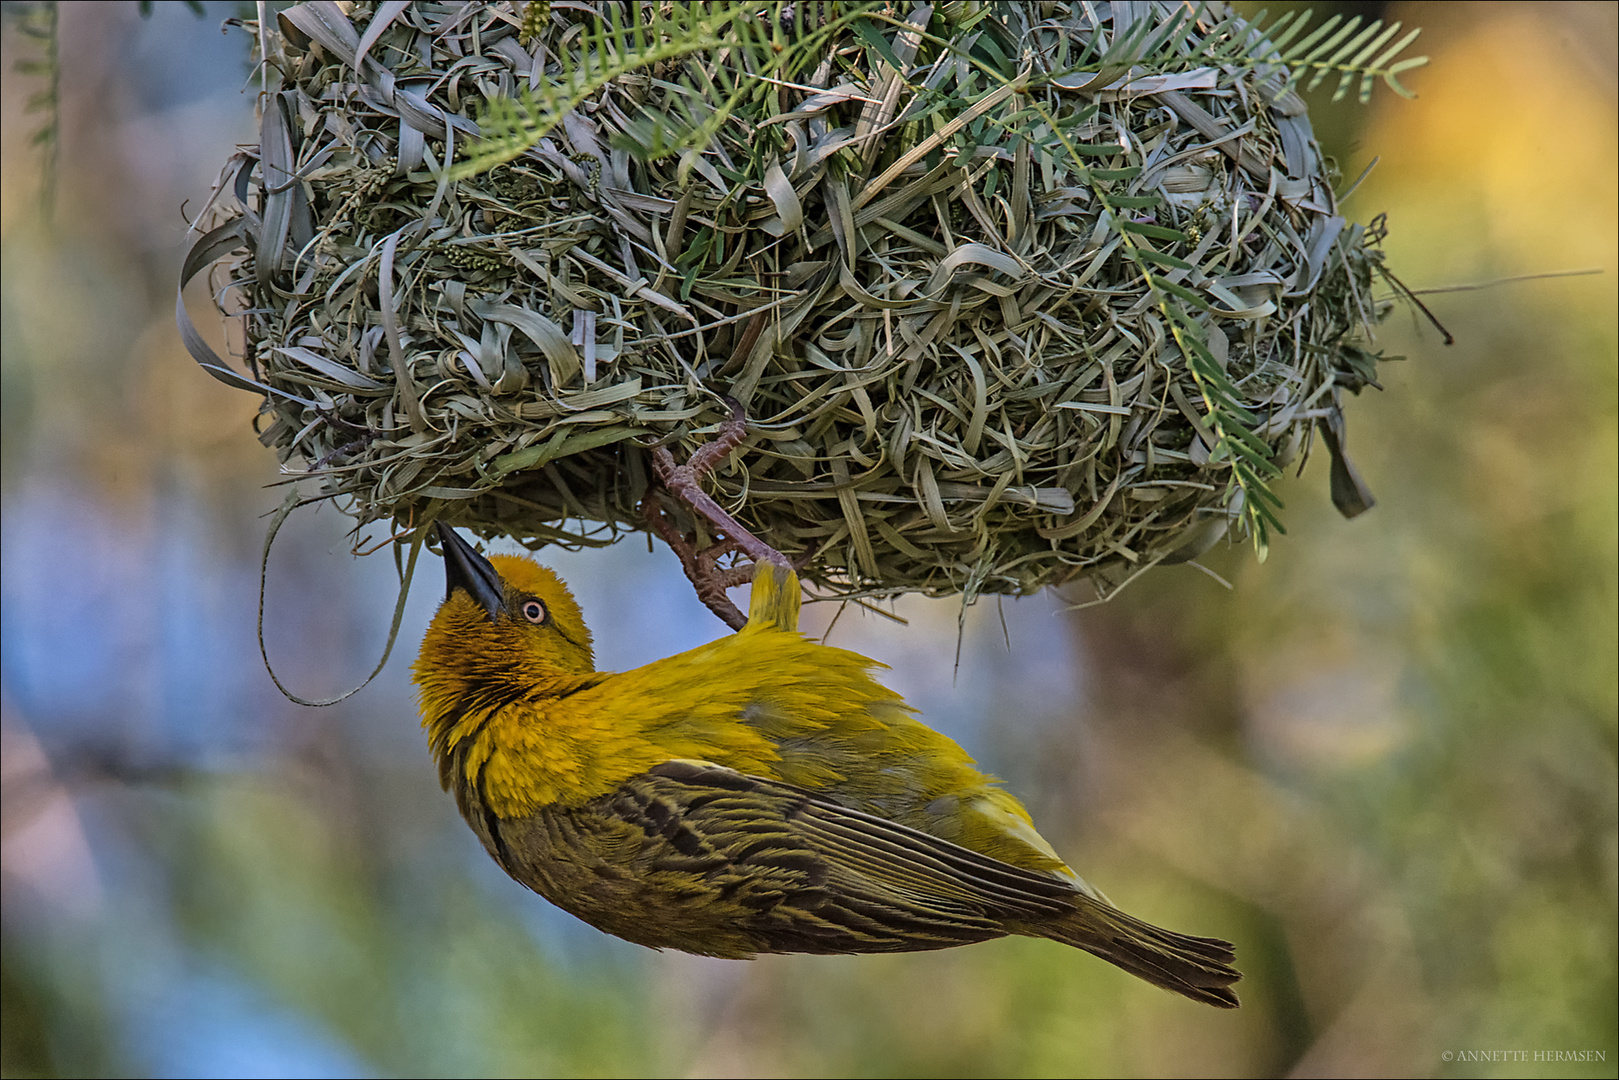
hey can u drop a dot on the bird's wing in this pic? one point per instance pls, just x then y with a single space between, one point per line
694 855
877 852
870 852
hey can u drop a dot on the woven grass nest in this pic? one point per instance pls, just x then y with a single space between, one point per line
1013 294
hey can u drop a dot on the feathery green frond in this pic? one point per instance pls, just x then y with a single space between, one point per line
751 51
39 22
1335 47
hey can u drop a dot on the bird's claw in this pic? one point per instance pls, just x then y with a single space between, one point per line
684 482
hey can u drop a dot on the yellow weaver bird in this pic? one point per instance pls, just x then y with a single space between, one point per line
759 794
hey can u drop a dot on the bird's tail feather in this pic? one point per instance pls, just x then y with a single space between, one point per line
1198 967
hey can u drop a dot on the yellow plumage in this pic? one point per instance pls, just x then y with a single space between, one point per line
761 793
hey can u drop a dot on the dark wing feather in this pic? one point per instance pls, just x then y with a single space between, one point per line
706 859
867 853
709 860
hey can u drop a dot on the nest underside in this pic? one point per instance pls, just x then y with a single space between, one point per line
956 376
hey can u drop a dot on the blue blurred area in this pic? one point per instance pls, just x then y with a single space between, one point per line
175 56
213 1023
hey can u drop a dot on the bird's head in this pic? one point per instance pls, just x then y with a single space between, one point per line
506 623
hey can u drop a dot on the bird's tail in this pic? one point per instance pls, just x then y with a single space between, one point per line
1197 967
775 597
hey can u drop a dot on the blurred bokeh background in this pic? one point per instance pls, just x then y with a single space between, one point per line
1383 762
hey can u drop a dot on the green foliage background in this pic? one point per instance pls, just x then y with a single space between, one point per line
1383 763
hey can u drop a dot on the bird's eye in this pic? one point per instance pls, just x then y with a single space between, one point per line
534 611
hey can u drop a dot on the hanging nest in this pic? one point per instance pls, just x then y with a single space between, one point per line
1011 297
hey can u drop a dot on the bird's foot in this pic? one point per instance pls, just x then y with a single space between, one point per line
702 566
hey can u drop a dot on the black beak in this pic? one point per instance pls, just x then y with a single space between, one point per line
465 569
